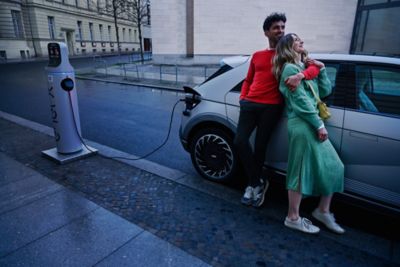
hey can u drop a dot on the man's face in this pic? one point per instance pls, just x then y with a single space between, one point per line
276 31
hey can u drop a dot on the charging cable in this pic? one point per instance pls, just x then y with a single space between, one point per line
142 157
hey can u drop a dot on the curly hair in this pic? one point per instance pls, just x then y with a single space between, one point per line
274 17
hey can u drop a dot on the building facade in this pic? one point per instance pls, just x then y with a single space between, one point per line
86 26
207 30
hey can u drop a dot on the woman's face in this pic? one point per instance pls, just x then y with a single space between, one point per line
298 44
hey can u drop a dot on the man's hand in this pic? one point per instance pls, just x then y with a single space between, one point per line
293 81
317 63
322 134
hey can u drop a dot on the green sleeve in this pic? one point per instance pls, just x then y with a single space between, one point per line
298 101
324 84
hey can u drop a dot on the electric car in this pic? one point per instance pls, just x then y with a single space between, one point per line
364 127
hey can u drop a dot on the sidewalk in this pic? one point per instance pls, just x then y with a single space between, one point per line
104 212
43 223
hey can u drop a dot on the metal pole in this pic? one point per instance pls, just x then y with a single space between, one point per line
123 64
137 71
160 73
105 67
176 73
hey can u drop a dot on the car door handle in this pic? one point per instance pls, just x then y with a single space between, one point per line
364 136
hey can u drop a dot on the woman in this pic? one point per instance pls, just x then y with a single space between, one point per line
314 168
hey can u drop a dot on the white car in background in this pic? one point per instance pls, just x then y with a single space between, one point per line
364 127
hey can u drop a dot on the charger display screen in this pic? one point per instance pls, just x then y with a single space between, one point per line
54 54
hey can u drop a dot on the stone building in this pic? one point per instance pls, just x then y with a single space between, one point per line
206 30
26 26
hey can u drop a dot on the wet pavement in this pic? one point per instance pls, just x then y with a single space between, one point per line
99 211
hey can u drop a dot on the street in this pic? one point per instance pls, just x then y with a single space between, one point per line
128 118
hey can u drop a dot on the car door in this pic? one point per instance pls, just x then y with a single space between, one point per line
371 135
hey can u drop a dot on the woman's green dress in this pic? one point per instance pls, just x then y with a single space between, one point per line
314 167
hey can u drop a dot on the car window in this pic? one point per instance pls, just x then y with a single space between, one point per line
220 71
378 89
332 70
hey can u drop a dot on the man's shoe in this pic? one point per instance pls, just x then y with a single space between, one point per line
328 220
259 194
247 198
303 225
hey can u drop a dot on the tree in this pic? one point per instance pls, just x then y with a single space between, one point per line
140 14
136 11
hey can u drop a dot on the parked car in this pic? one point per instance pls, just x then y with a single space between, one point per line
364 127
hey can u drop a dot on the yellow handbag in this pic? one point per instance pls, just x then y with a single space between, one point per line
324 113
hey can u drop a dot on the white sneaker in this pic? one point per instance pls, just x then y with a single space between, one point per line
247 198
328 220
303 225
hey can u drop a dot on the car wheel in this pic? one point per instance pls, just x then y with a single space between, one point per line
213 154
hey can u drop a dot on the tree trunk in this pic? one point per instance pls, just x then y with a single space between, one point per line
116 26
139 25
141 43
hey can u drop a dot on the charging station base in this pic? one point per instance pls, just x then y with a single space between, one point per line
66 158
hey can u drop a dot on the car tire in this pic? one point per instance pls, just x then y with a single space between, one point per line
213 154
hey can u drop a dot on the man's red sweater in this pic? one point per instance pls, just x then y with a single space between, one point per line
260 85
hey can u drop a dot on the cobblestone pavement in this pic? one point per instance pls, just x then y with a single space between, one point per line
219 232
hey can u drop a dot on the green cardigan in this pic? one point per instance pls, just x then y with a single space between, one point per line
302 103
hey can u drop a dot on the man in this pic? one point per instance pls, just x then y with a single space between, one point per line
261 105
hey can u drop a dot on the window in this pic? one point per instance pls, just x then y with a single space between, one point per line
134 35
50 21
372 17
101 32
17 22
109 33
91 31
80 37
130 35
123 34
76 2
378 89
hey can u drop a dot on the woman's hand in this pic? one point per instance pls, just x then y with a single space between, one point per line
322 134
317 63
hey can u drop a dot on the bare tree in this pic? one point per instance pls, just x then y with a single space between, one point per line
136 11
140 15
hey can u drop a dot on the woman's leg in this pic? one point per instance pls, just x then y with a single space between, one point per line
323 214
325 204
294 204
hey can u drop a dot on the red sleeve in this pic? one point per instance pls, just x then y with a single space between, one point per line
311 72
247 82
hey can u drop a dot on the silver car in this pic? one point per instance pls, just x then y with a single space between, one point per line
364 127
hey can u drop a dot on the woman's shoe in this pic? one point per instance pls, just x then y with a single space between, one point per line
328 220
302 224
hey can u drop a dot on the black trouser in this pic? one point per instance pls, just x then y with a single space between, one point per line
264 117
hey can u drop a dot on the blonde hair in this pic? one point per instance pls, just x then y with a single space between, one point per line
285 54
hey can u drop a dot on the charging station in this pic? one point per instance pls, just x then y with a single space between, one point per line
64 108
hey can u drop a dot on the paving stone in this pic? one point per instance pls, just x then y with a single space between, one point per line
21 226
149 250
16 194
83 242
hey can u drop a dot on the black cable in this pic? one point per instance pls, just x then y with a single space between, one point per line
142 157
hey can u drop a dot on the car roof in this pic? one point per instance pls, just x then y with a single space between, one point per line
235 61
356 58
